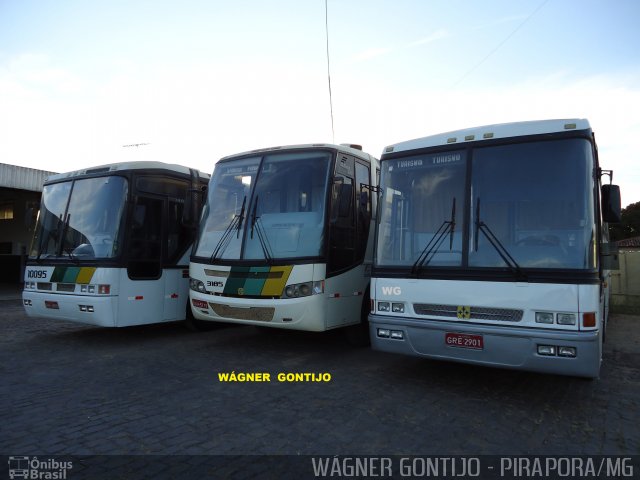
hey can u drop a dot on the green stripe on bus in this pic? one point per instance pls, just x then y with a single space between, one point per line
255 280
236 280
58 274
70 275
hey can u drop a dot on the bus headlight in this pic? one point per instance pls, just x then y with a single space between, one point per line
197 285
566 319
544 317
303 289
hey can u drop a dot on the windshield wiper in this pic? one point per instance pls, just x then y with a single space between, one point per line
50 234
430 250
262 234
480 226
236 222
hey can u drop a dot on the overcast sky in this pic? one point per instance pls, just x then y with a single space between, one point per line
198 80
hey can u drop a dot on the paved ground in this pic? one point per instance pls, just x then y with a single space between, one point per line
70 389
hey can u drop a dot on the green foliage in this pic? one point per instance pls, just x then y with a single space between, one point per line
629 226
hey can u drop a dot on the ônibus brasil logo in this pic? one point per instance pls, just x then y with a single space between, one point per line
32 468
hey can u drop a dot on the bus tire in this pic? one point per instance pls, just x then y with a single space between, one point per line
358 335
196 325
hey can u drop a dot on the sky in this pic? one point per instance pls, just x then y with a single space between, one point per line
197 80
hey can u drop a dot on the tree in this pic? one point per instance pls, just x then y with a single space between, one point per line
629 227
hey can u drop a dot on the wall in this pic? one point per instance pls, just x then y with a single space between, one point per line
625 283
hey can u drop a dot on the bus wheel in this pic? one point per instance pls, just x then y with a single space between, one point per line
196 325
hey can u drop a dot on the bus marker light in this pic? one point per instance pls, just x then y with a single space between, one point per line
397 334
138 297
544 317
384 307
384 332
566 319
548 350
589 319
567 352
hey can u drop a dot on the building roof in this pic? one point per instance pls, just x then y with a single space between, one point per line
629 242
22 178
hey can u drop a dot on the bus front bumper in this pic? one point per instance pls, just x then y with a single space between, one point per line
489 345
92 310
302 313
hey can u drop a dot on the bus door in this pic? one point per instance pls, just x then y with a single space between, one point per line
342 281
142 292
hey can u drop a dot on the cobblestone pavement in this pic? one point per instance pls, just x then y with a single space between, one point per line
71 389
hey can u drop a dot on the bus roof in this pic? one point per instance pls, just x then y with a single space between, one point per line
341 148
121 167
490 132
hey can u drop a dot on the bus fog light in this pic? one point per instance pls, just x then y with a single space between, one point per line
567 352
397 307
197 285
83 308
566 319
27 302
544 317
384 332
549 350
397 334
384 307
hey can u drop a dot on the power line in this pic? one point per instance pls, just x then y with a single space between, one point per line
500 44
326 29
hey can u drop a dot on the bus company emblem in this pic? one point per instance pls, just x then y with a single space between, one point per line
464 312
241 291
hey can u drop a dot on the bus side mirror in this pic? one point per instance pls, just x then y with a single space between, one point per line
611 204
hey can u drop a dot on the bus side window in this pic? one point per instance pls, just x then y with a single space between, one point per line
145 239
342 225
178 235
363 209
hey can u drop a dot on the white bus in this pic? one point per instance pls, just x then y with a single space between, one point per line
491 248
111 245
285 239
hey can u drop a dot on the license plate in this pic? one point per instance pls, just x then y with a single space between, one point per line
463 340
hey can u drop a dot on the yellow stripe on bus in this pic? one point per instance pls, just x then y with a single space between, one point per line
85 275
273 287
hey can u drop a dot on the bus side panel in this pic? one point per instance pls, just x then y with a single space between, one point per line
176 294
140 301
345 294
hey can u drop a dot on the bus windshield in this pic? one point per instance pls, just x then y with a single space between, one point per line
269 207
81 219
528 205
